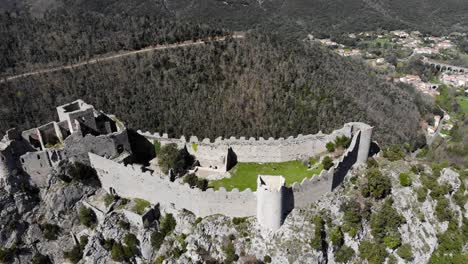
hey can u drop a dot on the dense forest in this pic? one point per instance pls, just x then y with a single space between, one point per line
62 37
259 86
284 16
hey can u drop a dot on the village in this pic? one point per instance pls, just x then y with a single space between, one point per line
433 65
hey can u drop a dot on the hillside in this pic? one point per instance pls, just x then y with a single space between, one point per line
260 86
285 16
395 212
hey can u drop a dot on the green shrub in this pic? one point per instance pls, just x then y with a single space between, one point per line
239 220
392 241
327 163
83 241
417 169
7 254
140 206
170 157
421 193
198 220
459 196
378 185
318 242
405 252
40 259
267 259
159 260
374 253
202 184
193 181
124 225
405 180
85 174
342 142
157 239
422 153
230 253
394 152
108 199
87 217
330 146
74 255
372 163
436 169
131 246
117 252
384 224
442 210
352 217
439 190
50 231
167 224
336 237
195 147
344 254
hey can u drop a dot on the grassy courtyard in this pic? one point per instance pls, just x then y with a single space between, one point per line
244 175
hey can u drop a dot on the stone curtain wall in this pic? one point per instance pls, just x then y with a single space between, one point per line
254 150
130 181
311 189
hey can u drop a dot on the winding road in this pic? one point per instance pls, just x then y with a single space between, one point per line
121 55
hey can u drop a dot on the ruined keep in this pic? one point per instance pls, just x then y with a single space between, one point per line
80 129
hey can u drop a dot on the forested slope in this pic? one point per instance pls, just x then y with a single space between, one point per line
286 16
60 38
260 86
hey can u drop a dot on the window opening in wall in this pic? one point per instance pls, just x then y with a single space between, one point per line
22 160
38 157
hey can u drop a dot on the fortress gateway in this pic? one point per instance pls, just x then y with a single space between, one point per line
92 137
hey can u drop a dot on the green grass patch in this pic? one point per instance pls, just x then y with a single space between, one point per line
244 175
195 147
140 206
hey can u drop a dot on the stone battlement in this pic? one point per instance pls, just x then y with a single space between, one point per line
222 153
131 181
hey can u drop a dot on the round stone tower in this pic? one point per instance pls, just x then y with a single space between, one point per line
270 205
364 144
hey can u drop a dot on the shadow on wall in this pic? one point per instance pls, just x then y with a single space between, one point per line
374 149
142 149
231 159
344 166
288 202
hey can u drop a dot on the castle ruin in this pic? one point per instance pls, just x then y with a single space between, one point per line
86 135
80 129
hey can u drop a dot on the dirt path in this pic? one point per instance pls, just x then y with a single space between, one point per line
118 56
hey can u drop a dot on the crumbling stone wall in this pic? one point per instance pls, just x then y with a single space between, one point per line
111 146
